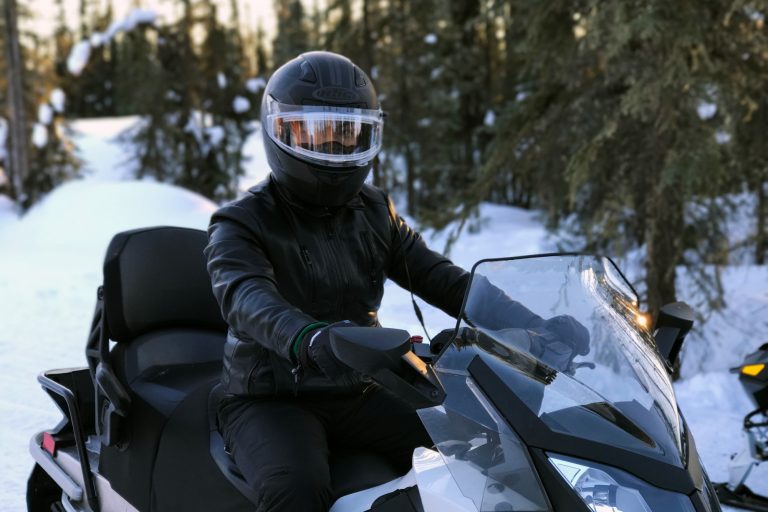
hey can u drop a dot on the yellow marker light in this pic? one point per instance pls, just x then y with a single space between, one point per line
752 369
642 319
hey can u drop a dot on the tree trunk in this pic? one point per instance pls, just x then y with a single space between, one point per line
405 110
761 236
465 14
665 227
18 162
367 63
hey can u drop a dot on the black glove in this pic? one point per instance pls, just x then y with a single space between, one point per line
558 340
316 352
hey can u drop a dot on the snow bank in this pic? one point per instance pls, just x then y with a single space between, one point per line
84 216
97 140
714 406
732 333
505 231
7 210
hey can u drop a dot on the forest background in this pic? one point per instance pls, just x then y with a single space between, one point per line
637 128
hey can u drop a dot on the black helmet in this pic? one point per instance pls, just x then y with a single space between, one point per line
321 126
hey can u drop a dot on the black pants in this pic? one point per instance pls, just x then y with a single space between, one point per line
281 445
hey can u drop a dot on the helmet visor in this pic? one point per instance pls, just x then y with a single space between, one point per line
330 136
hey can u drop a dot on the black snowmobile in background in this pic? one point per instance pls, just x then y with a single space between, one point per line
515 427
753 375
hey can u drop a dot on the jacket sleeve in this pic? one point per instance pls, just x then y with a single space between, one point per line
244 284
433 277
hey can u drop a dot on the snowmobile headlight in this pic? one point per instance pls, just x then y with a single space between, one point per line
607 489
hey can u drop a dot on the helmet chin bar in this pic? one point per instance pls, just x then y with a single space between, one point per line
315 185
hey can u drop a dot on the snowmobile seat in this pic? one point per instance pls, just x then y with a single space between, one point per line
159 309
351 470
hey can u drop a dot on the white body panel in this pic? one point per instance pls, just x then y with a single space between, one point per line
437 488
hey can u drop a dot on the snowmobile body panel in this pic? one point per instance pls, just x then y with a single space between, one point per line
139 425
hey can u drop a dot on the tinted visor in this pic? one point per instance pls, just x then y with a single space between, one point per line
331 136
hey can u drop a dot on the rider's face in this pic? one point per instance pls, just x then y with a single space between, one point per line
334 136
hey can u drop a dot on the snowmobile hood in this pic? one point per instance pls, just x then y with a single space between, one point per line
599 381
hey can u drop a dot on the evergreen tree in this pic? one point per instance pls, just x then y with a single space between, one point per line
193 105
291 38
226 107
616 131
137 70
39 132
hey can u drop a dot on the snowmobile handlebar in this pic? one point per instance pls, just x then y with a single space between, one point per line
386 356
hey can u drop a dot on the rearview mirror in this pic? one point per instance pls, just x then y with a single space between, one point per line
673 324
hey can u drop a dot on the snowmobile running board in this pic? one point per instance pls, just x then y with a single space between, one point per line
741 497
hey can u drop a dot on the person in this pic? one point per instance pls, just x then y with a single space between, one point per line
308 250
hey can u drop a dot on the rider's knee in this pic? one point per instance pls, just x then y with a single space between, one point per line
295 489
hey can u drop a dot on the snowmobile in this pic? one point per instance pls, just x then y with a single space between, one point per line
514 428
753 375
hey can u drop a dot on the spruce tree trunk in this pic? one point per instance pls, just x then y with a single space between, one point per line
367 63
761 237
465 13
18 159
665 229
405 109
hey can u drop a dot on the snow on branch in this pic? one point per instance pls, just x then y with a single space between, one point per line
81 52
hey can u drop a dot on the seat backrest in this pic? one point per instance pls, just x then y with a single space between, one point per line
155 279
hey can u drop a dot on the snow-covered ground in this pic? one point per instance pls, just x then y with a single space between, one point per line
50 266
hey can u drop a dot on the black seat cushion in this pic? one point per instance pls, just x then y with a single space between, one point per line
156 278
185 476
163 367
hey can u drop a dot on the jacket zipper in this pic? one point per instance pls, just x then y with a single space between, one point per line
296 372
332 246
371 263
308 261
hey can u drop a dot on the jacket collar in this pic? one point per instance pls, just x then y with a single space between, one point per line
356 203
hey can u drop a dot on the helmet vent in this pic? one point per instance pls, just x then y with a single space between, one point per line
307 73
359 78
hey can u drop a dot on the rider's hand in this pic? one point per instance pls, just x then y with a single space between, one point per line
558 340
316 352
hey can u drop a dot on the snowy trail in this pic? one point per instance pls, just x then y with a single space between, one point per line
50 266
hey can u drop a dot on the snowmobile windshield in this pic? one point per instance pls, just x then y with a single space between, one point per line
324 135
564 335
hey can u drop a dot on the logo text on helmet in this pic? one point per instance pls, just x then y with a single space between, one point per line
337 94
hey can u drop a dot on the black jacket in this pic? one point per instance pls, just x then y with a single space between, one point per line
277 266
